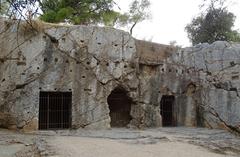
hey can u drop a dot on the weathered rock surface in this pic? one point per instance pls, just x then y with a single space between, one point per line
92 61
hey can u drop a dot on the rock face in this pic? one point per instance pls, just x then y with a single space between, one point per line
201 83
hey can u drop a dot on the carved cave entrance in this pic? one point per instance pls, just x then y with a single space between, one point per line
120 107
166 110
55 110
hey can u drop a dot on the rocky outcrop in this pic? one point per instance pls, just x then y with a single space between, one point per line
88 61
92 61
219 84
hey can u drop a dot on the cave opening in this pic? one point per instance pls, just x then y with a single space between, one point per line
120 107
166 110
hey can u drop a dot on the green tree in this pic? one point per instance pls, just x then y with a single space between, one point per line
216 24
78 11
55 11
94 12
138 12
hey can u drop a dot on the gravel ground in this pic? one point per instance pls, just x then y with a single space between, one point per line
171 142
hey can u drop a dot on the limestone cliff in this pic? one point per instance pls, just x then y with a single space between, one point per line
90 62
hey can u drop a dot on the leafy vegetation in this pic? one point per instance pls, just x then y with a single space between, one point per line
78 11
216 24
138 12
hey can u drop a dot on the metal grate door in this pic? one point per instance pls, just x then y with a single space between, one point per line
55 110
166 108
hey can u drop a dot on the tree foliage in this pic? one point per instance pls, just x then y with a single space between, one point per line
138 12
94 11
216 24
78 11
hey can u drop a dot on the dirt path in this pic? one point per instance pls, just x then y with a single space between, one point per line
93 147
169 142
160 142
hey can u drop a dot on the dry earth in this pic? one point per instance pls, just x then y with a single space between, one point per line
171 142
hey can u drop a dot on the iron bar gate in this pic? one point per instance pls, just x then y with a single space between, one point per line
55 110
167 110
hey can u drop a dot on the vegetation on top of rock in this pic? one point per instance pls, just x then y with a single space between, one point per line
86 12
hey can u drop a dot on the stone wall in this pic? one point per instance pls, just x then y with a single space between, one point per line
92 61
204 80
88 61
219 84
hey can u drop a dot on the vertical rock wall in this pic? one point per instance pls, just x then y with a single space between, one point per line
88 61
203 79
91 62
218 82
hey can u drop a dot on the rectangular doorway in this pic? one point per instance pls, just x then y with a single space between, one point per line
166 110
55 110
